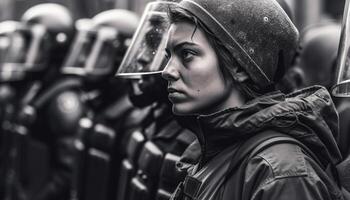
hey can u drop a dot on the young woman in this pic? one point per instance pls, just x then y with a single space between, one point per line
224 58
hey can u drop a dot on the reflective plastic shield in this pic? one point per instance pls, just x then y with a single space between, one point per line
146 53
21 50
92 50
342 86
80 49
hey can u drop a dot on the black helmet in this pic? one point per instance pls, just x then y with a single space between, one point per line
33 43
55 17
13 49
59 26
259 34
100 43
319 53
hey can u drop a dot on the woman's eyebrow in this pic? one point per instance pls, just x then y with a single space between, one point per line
183 44
179 46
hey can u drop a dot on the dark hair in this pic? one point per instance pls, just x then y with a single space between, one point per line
226 60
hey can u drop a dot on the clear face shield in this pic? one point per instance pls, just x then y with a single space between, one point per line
92 50
146 53
342 86
21 50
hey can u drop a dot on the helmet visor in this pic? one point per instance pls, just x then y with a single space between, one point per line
92 51
100 60
80 49
342 86
21 51
146 53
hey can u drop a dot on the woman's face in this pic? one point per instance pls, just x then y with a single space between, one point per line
196 84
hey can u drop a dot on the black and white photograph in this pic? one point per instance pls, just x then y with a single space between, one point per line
174 99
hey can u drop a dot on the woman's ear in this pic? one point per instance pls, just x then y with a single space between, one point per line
241 76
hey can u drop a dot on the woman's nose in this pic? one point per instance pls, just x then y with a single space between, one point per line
170 72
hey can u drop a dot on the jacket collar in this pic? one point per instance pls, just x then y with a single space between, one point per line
221 129
285 113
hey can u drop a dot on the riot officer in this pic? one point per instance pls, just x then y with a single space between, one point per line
9 78
97 50
9 74
151 151
319 45
340 90
58 23
316 65
39 162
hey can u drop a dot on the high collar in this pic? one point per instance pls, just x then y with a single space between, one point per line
308 115
219 130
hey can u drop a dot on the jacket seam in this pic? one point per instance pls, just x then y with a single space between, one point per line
287 174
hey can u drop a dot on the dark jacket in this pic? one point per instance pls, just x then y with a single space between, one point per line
282 171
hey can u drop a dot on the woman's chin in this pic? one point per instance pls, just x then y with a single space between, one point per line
178 112
182 111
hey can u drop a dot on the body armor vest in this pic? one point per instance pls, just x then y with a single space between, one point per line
150 161
41 159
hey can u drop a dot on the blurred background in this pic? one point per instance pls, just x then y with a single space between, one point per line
305 9
13 9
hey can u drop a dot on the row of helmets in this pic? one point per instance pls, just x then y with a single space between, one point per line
47 37
46 30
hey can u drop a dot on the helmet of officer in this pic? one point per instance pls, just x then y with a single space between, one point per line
55 17
59 27
145 56
100 44
12 51
318 55
32 44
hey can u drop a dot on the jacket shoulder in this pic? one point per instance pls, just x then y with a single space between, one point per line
280 160
280 171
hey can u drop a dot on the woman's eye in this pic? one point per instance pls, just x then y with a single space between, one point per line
187 55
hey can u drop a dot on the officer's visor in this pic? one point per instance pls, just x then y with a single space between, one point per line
21 51
342 86
91 50
80 49
146 53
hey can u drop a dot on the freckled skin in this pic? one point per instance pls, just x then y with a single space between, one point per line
196 75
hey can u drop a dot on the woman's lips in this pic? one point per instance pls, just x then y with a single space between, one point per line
172 90
175 95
